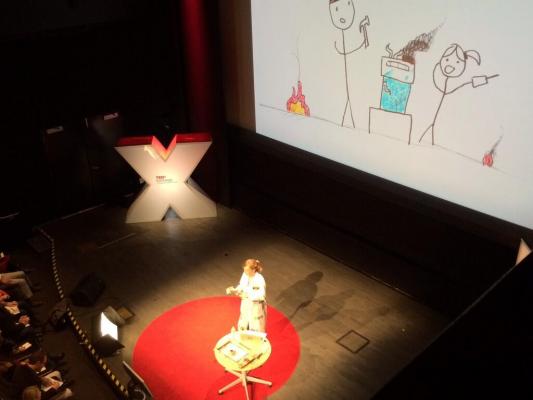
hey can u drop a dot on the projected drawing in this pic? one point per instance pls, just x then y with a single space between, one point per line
433 103
296 103
398 72
342 14
452 65
488 158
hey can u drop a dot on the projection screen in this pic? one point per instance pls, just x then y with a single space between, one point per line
430 94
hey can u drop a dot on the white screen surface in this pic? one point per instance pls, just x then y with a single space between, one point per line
480 156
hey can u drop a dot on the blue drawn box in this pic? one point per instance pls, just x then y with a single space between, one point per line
398 76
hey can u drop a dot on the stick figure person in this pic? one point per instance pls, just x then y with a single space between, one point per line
342 14
452 65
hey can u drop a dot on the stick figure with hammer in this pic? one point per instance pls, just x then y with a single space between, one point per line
342 14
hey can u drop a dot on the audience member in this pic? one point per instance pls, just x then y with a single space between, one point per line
32 373
31 393
10 349
51 385
18 280
12 306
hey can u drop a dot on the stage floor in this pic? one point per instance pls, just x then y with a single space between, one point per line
152 267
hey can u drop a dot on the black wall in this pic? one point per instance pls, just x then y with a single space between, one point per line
433 250
128 63
67 63
485 353
26 17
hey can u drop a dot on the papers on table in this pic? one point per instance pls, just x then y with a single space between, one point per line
13 310
233 351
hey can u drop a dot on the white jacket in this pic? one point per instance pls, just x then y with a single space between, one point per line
253 302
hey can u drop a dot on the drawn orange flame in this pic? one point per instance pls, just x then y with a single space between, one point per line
296 103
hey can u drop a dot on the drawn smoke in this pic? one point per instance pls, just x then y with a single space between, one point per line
296 103
420 43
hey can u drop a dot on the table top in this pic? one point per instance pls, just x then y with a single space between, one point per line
255 346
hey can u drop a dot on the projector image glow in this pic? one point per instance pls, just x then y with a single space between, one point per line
107 327
105 335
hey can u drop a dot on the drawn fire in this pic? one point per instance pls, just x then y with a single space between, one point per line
488 158
296 103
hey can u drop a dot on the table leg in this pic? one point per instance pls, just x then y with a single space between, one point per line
237 374
230 385
245 384
257 380
243 378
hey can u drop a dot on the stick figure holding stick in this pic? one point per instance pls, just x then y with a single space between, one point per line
452 65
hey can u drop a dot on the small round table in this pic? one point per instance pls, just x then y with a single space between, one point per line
256 345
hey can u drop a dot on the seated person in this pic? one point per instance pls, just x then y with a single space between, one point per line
51 385
8 265
12 306
17 280
34 393
10 349
5 262
51 362
31 393
16 327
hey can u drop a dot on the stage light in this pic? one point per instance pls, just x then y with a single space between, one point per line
105 332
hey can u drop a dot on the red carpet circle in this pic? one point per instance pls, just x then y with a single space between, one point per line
174 354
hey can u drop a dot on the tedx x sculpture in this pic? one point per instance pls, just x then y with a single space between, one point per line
167 175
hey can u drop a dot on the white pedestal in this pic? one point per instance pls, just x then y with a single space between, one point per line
167 175
394 125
